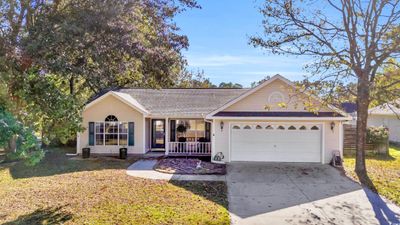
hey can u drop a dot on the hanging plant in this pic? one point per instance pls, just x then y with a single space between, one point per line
181 128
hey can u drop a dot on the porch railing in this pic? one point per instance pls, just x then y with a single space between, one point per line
189 148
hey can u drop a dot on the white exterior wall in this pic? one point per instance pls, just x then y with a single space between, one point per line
389 121
98 112
258 100
331 139
147 134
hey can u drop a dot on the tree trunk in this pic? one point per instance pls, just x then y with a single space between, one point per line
11 147
362 116
72 85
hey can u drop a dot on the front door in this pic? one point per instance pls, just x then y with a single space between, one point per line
158 133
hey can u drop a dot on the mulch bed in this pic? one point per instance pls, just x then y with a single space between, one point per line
189 166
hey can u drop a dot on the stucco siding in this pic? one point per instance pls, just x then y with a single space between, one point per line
258 100
221 140
110 105
331 138
391 122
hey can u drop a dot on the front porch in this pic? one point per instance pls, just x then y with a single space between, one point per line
178 137
189 148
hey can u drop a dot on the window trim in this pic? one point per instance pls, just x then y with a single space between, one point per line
104 133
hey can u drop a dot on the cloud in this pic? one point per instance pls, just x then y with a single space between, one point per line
287 74
231 60
221 60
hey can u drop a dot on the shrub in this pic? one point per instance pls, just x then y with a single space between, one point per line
377 135
27 144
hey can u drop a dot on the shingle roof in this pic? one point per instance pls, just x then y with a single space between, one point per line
182 102
386 109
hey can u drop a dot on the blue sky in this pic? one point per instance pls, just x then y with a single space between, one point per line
219 35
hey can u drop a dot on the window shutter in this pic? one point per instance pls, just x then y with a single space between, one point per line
208 131
91 133
131 133
173 130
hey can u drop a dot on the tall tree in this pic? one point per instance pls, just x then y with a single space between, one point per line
109 43
55 54
190 79
349 40
229 85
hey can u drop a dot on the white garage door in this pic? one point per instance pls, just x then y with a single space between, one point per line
276 142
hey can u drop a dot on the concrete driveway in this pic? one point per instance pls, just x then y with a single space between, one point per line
297 193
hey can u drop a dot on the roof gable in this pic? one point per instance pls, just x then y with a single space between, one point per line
123 98
269 96
386 109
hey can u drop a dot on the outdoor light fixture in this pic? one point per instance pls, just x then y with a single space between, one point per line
222 125
333 125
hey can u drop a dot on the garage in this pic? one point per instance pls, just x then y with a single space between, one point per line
278 142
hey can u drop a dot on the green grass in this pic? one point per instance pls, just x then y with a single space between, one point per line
384 172
60 190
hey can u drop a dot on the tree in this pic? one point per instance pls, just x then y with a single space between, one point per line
349 40
255 83
190 79
229 85
18 141
109 43
387 86
55 54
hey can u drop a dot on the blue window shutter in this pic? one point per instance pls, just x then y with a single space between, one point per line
91 133
131 133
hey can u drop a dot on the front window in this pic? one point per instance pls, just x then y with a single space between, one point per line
111 132
190 130
99 133
123 133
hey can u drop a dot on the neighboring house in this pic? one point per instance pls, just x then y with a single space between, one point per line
386 115
351 109
232 124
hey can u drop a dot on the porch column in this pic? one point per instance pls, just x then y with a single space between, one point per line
166 136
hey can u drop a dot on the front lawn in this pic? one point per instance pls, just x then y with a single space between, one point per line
384 172
59 190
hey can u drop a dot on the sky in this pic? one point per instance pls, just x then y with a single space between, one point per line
219 34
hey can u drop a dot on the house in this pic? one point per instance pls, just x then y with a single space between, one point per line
270 122
387 115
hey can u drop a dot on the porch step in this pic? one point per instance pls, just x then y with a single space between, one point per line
153 155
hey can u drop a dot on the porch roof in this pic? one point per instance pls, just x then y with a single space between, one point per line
192 102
